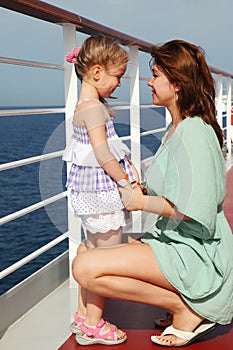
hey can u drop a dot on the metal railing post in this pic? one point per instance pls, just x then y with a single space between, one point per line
219 101
135 124
71 96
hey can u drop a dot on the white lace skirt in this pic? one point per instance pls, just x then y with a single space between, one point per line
97 202
103 222
99 211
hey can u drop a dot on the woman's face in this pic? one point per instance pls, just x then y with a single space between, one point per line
163 92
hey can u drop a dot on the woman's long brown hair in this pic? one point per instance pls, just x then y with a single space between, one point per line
184 65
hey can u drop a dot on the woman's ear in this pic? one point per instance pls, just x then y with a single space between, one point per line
176 88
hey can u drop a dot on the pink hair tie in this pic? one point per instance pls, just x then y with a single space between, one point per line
71 56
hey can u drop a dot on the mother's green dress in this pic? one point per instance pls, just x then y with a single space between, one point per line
196 256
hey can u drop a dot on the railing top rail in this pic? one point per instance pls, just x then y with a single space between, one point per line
54 14
219 71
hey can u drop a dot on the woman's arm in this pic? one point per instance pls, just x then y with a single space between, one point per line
134 199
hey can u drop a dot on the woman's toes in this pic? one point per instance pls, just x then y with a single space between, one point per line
170 339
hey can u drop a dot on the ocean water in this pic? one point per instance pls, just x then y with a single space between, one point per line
32 135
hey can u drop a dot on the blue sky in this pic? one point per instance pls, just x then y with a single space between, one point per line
207 23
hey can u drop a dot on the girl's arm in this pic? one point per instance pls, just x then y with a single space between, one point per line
103 154
95 120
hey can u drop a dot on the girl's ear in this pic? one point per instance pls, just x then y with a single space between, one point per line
96 71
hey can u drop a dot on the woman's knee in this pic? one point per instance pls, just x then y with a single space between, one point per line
77 268
81 269
81 248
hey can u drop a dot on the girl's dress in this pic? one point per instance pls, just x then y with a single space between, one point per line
196 256
94 194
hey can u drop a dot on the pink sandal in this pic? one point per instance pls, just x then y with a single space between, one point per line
75 326
99 335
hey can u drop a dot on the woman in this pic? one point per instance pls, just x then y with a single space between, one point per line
186 260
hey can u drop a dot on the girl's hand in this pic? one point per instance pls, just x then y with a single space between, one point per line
132 198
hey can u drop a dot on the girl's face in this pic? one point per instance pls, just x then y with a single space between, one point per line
163 92
110 80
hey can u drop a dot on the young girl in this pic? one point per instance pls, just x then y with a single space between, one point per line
99 165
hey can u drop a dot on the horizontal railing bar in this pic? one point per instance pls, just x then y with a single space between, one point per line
148 106
33 255
31 160
14 112
128 107
53 14
150 132
145 133
125 138
140 78
47 156
32 208
27 63
219 71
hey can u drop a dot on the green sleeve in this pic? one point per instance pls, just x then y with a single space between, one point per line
194 174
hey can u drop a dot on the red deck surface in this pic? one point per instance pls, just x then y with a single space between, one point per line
220 339
137 319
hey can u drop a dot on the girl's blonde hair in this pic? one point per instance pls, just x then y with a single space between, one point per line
101 50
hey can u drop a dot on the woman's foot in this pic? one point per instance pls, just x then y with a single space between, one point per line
173 337
185 322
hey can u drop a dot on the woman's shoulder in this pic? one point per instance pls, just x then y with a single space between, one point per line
195 127
193 122
197 136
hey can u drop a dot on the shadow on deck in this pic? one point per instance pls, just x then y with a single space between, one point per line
138 319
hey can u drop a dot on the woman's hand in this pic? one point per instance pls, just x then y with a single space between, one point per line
132 198
144 189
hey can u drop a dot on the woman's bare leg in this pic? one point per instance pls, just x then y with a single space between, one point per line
130 272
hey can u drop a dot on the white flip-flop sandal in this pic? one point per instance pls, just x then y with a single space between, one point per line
189 337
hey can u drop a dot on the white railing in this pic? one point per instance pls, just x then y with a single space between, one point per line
72 25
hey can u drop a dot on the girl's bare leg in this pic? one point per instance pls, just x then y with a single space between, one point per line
91 305
131 272
82 292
